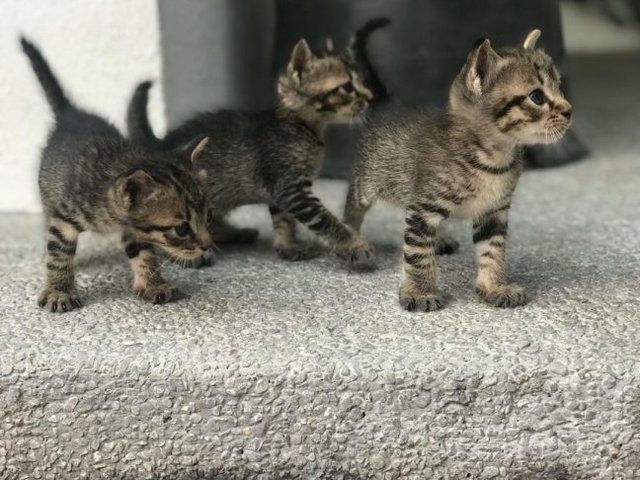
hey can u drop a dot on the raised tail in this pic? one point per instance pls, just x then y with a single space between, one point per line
52 89
137 119
357 53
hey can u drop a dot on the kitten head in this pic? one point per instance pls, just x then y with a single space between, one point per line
322 86
515 89
163 203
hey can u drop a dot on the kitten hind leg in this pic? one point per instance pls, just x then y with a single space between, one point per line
147 279
419 281
284 238
355 209
445 243
492 284
59 293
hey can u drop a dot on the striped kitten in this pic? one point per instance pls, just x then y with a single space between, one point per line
273 156
464 163
92 179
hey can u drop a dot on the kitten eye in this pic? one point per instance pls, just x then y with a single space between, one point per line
348 87
537 97
183 229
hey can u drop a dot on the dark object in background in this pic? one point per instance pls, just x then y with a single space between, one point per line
420 52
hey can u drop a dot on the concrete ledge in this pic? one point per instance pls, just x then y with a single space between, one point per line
311 423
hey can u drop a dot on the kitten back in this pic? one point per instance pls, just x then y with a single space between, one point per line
52 88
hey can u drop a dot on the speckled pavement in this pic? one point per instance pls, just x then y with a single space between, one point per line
305 370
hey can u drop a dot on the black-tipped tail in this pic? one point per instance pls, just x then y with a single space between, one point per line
52 89
357 51
138 124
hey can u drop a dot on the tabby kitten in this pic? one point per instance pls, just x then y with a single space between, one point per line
464 163
273 156
91 178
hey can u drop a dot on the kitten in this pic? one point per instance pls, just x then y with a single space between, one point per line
273 156
92 179
464 163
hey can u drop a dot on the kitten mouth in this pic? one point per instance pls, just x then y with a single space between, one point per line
187 254
554 133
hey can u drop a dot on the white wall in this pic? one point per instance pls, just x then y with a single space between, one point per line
99 51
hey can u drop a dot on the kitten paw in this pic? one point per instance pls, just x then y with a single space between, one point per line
159 294
447 245
296 252
57 301
503 296
205 260
357 255
425 302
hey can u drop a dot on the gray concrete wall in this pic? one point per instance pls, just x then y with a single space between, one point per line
216 54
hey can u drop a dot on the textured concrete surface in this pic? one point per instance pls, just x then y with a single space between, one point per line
276 370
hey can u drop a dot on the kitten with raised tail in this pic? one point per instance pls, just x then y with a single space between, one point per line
273 156
464 163
92 179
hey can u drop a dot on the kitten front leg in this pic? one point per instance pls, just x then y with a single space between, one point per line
284 238
355 208
299 201
147 280
492 284
419 280
59 293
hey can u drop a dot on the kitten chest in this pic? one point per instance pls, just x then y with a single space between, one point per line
486 192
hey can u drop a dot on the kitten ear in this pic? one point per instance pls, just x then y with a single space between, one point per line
532 38
481 67
328 44
193 149
324 45
300 59
136 187
195 153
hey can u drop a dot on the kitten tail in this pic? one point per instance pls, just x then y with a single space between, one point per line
138 124
358 54
52 89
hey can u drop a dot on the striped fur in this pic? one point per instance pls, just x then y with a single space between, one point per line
273 156
92 179
463 163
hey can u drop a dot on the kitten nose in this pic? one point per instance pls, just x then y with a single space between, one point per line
565 108
206 245
205 242
361 105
